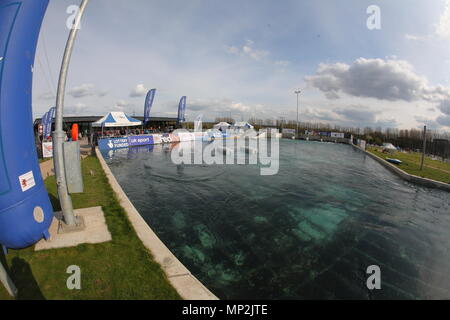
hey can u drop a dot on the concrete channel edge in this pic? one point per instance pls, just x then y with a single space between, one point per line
186 284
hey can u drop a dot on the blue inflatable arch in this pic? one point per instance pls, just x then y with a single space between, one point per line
25 208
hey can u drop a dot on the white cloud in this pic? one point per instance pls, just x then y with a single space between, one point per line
233 50
443 27
212 108
247 50
414 37
83 90
282 63
139 91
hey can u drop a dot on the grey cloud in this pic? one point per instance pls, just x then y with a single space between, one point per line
102 93
81 91
47 96
123 105
444 106
444 120
77 109
390 80
357 115
430 123
353 116
197 107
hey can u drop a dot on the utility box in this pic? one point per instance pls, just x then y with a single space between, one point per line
72 164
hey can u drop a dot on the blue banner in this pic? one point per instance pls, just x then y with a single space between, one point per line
44 124
140 140
148 104
182 109
125 142
112 143
49 121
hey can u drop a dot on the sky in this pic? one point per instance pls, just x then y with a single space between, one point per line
354 65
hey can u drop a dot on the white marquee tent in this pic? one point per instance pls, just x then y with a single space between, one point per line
222 125
116 119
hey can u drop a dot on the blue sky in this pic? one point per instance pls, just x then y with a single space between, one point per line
245 58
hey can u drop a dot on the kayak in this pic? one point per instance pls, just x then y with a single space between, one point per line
394 161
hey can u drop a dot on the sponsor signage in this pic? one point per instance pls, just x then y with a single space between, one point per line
47 149
157 138
362 144
288 131
337 134
113 143
140 140
27 181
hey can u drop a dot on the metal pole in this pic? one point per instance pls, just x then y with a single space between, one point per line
297 93
424 146
59 134
7 282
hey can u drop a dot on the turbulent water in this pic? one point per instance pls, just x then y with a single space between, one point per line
309 231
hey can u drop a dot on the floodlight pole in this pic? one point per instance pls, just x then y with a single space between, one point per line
297 92
424 146
59 134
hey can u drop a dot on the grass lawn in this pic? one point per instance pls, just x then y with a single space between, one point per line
120 269
432 169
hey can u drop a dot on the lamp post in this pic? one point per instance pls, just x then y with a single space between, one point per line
59 134
424 146
297 92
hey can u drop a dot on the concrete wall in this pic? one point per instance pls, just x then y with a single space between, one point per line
325 139
406 176
188 286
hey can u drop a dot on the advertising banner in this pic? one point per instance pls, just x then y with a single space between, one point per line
140 140
112 143
288 131
148 104
182 109
337 134
48 122
47 149
198 135
174 138
186 136
157 138
362 144
44 124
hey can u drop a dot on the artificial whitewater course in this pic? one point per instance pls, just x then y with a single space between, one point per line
309 231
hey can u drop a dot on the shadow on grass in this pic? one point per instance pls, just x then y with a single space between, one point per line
55 202
22 277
